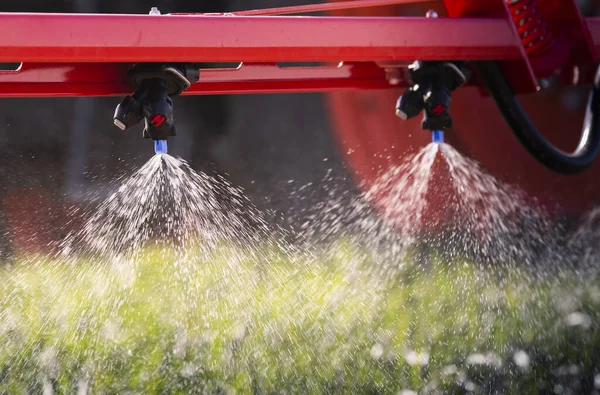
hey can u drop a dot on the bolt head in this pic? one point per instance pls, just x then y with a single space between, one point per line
431 14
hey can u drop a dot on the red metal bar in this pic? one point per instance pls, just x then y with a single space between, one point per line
270 78
106 79
41 38
341 5
110 79
89 55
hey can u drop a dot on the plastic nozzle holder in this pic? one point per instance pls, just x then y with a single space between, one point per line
160 147
437 136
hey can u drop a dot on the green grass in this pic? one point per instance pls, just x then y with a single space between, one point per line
275 323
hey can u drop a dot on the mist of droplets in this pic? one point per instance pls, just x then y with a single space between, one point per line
482 217
495 221
385 219
167 202
176 283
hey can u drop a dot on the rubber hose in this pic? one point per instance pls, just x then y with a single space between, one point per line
541 149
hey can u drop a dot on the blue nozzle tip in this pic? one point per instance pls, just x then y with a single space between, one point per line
437 136
160 147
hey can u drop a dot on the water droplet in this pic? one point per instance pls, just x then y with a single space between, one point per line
522 359
481 359
414 358
579 319
377 351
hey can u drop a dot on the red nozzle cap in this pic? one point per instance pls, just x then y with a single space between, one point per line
157 120
439 109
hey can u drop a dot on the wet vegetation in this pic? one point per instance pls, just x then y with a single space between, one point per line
275 322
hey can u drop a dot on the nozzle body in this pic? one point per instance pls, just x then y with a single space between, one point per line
431 93
437 136
158 112
128 113
152 101
160 147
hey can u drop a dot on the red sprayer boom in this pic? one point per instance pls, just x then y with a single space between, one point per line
508 44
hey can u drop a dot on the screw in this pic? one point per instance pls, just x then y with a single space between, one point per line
431 14
154 11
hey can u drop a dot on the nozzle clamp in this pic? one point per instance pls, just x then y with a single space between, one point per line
156 84
432 86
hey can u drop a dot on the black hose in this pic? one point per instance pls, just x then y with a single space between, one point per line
541 149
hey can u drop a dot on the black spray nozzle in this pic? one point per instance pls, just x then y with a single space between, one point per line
156 84
431 92
129 112
158 112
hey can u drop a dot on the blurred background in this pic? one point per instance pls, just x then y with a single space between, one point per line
60 153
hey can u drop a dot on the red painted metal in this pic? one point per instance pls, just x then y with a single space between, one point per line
572 43
193 38
593 25
532 27
519 72
310 8
110 79
90 54
74 54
